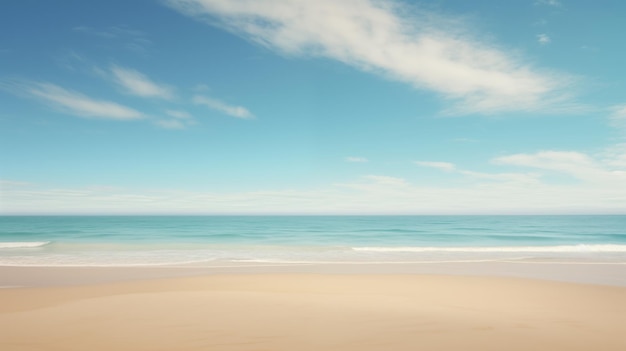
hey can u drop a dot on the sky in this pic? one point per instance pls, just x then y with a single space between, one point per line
312 107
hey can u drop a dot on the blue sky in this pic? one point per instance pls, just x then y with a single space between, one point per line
312 107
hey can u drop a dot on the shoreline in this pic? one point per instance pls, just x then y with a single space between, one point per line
314 311
609 274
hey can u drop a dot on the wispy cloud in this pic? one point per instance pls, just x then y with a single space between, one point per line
387 180
615 156
514 178
427 50
179 120
170 124
600 190
617 117
356 159
76 103
137 83
511 178
179 114
575 164
608 169
215 104
371 194
131 39
4 183
543 39
444 166
566 161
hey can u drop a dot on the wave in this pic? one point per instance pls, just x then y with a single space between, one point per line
559 248
25 244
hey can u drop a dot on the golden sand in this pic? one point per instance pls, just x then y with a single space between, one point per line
316 312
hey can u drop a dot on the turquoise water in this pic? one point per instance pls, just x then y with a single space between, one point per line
216 240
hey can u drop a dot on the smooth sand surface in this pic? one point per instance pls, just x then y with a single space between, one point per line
315 312
589 273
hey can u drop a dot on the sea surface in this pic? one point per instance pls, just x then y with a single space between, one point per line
223 240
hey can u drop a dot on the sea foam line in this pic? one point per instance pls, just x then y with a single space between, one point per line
17 244
560 248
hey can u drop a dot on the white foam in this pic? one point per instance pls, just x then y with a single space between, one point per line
561 248
17 245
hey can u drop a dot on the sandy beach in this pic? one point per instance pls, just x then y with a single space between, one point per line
306 311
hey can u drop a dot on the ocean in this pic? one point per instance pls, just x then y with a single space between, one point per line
117 241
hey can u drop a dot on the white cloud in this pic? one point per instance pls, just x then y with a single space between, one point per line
180 120
600 190
575 164
129 38
618 116
233 111
170 124
377 183
77 103
517 178
201 88
179 114
386 180
4 183
356 159
136 83
554 160
481 176
371 194
543 39
426 50
615 156
444 166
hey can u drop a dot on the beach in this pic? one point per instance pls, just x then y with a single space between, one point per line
293 175
313 283
307 311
